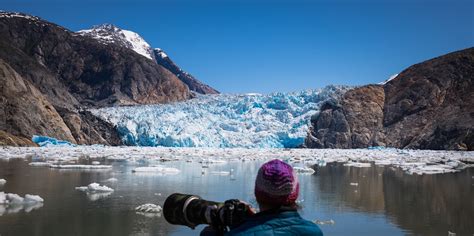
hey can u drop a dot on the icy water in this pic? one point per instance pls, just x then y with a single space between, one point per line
380 200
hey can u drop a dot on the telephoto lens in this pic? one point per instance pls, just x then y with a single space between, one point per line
190 210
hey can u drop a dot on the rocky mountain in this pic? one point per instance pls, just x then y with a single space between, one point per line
49 74
111 34
427 106
194 85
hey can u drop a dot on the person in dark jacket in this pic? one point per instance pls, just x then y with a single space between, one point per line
276 191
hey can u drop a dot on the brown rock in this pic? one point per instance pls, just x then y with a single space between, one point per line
428 106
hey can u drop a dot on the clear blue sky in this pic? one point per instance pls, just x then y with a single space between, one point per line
267 46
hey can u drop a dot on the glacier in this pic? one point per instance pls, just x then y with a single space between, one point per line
277 120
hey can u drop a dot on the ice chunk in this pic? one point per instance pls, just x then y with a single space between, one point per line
354 184
219 173
3 198
40 164
157 169
45 141
2 182
324 222
304 170
95 163
358 164
96 196
14 198
81 166
32 198
94 188
149 208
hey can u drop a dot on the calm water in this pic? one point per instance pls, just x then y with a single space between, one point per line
385 202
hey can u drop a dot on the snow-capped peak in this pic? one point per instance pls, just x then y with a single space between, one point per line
109 33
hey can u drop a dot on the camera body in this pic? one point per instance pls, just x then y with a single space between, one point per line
192 210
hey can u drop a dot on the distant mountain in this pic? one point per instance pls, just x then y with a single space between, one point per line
194 85
429 105
50 74
110 34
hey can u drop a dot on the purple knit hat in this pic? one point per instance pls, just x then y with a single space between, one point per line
276 184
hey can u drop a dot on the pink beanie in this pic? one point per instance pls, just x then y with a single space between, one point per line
276 184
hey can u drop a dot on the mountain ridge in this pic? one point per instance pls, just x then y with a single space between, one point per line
111 34
72 72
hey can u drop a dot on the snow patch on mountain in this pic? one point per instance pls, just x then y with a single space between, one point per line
389 79
160 53
251 121
108 33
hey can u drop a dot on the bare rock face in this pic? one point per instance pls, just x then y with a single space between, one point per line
26 111
354 121
428 106
431 105
50 74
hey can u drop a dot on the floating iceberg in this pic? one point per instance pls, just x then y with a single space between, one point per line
94 188
15 199
13 203
256 121
149 208
2 182
45 141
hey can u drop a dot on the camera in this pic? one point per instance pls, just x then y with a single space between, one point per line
192 210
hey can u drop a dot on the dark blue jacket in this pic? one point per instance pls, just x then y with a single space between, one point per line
275 224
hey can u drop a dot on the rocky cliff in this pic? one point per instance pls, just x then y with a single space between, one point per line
428 106
49 74
194 85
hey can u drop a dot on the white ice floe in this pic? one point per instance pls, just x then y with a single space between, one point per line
94 188
96 163
2 182
358 164
81 166
304 170
40 164
411 161
157 169
354 184
219 173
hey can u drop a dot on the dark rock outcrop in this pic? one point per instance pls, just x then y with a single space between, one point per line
428 106
49 74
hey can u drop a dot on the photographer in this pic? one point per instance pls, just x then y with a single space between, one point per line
276 191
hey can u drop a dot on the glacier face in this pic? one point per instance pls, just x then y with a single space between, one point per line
247 120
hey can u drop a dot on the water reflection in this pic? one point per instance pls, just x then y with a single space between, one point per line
380 200
422 205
